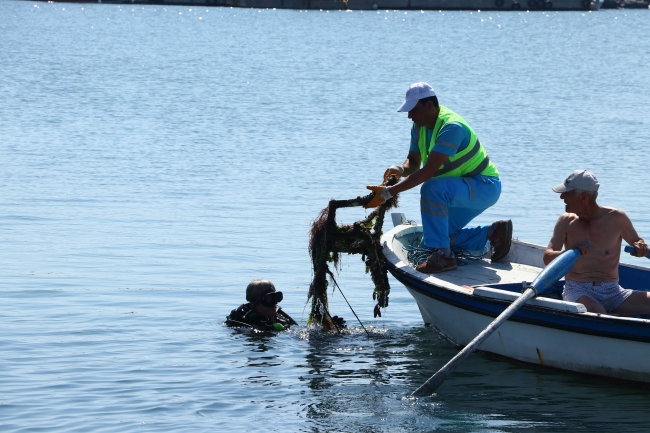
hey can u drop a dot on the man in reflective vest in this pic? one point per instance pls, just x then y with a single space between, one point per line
458 182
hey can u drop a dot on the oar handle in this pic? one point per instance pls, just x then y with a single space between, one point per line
630 249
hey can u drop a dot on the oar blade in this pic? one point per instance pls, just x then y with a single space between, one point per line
430 386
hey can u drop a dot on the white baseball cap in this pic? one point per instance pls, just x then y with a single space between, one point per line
416 92
579 179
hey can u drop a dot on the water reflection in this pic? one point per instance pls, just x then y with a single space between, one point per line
361 384
262 358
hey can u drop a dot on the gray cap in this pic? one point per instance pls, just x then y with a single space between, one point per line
579 179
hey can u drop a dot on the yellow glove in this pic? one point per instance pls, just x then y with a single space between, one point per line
381 195
393 169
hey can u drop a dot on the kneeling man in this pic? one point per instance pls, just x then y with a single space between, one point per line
593 281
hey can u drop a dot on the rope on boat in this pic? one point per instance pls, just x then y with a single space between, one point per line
418 254
467 255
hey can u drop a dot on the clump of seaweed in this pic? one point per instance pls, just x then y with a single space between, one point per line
328 241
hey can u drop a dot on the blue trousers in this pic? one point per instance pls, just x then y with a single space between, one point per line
448 204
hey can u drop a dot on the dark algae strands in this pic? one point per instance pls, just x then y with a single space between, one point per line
328 240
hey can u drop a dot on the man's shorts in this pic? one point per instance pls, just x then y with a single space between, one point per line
610 295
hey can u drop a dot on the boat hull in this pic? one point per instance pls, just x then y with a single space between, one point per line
589 354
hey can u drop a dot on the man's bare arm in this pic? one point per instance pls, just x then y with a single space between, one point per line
558 239
629 234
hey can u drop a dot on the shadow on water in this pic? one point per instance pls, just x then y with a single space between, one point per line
362 384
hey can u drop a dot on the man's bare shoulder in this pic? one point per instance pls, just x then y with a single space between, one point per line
566 218
613 214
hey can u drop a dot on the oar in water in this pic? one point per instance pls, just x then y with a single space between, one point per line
630 249
545 280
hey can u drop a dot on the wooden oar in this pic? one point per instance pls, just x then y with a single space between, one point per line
630 249
545 280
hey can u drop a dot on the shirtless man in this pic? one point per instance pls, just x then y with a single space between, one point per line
593 281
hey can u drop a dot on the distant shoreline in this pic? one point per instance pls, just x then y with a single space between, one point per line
459 5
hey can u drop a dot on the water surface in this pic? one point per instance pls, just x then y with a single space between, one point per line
156 159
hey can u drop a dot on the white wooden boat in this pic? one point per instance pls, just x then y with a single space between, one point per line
546 331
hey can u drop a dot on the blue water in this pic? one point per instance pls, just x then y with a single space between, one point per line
156 159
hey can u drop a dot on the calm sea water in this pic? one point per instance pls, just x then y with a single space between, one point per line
156 159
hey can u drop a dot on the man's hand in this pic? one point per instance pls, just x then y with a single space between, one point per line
382 194
394 169
641 248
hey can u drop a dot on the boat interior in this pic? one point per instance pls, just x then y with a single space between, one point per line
522 264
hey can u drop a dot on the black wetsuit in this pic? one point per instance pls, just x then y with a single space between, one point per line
245 316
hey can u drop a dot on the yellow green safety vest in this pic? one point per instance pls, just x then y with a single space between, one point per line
469 162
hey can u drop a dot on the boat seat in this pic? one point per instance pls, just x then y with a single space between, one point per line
542 301
556 293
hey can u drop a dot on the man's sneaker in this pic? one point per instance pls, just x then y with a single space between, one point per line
437 262
501 239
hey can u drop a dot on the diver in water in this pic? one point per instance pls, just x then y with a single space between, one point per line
261 311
